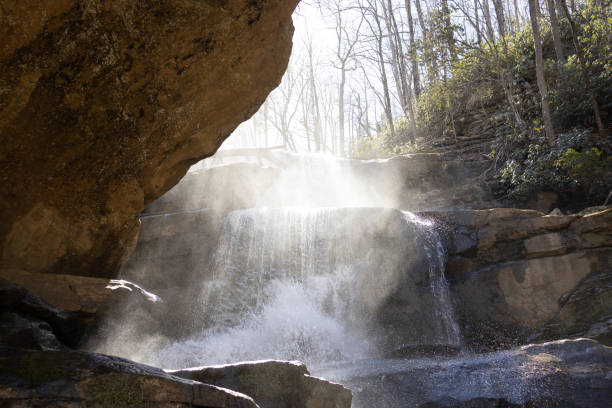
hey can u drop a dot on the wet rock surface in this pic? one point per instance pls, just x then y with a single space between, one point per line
520 275
567 373
27 321
76 379
38 307
273 384
105 105
516 275
38 368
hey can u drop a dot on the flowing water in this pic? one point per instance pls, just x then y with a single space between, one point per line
318 285
329 286
447 328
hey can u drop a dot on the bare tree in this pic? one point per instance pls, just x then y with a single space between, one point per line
477 23
314 97
377 32
416 78
285 104
344 51
266 123
501 19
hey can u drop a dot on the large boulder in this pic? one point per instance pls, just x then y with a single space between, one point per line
105 105
38 368
273 384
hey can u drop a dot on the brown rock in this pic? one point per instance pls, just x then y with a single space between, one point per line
76 379
27 321
600 221
77 293
524 293
545 245
26 333
105 105
274 384
513 271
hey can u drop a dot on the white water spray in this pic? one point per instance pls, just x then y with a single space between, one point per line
317 285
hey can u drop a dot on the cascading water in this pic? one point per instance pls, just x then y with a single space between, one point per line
447 329
319 285
329 286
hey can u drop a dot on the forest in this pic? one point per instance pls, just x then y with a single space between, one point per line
525 85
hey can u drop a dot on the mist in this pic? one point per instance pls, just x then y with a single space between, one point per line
298 257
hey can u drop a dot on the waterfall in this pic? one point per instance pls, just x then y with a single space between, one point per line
447 329
320 285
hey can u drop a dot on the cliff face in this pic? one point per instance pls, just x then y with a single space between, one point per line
104 105
519 275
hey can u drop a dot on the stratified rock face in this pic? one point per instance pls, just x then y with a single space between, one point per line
104 105
518 275
273 384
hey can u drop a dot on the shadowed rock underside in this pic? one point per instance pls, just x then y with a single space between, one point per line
105 105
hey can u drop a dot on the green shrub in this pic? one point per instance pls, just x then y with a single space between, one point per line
574 167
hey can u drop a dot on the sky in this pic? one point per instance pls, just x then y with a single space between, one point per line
309 21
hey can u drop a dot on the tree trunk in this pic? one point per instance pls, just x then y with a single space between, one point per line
501 20
584 70
383 74
416 78
548 126
477 23
427 53
315 101
420 17
488 22
266 124
341 113
517 16
554 25
406 91
367 111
